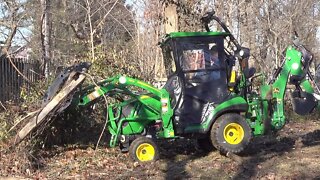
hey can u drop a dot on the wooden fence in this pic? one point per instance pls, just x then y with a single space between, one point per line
11 79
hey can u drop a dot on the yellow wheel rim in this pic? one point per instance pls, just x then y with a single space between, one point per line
145 152
233 133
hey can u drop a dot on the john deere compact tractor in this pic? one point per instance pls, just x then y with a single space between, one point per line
208 95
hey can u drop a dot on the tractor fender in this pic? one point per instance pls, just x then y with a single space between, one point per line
234 108
233 105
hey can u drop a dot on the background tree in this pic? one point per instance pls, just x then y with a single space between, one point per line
87 30
122 37
267 27
46 27
14 20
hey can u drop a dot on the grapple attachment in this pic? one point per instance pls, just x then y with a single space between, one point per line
62 78
57 98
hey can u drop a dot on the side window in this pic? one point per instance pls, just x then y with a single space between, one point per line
169 63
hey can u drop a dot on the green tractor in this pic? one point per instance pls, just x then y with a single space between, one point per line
208 95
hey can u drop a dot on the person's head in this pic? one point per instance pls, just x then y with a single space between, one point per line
214 51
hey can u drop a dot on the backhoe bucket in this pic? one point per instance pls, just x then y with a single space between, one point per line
303 103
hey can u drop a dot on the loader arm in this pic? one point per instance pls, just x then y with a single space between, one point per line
159 105
117 83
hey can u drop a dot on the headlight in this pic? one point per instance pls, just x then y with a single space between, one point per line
241 53
244 52
122 79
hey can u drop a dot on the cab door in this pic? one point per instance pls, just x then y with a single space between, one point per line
203 75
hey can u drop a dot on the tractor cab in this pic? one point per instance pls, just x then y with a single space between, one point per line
201 74
197 73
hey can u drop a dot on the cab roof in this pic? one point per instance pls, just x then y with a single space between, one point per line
174 35
195 34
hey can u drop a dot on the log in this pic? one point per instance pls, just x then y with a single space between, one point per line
49 108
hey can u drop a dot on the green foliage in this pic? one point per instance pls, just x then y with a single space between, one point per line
32 97
8 118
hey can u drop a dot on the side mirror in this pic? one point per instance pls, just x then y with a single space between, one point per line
207 17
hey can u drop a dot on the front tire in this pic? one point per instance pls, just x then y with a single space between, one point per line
144 149
231 133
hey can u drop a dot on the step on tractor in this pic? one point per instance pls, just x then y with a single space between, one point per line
209 95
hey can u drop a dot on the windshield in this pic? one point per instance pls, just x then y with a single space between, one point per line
199 53
201 58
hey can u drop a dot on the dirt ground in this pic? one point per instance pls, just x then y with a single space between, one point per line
293 154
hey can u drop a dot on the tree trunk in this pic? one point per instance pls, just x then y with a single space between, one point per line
46 36
171 19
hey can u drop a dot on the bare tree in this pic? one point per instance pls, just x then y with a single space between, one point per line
267 27
46 35
126 36
12 18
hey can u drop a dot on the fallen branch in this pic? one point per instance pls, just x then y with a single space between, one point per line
3 106
25 117
50 108
104 128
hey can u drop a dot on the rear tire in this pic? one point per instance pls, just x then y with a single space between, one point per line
144 149
231 133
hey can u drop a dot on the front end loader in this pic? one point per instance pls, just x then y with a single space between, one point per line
208 95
